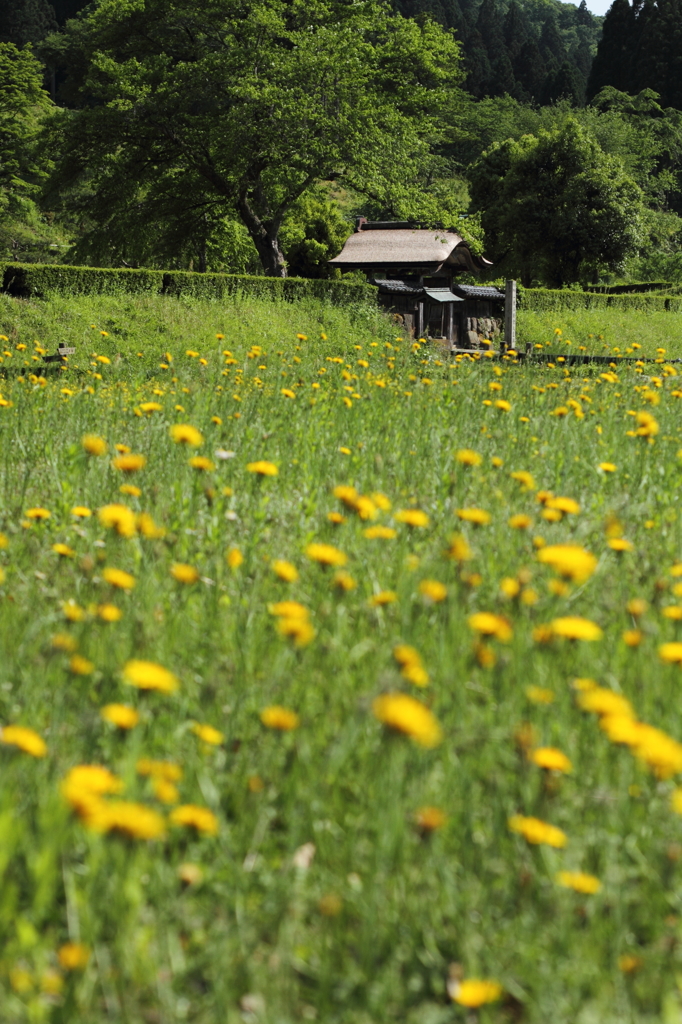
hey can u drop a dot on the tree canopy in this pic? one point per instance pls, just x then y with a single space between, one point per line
240 107
555 206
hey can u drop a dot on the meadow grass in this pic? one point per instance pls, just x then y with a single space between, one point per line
332 889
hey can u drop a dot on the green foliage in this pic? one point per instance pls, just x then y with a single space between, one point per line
23 105
535 52
313 233
41 280
544 299
555 207
190 114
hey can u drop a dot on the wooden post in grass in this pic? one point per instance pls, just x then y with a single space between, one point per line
510 315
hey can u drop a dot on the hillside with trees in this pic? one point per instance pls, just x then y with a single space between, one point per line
248 138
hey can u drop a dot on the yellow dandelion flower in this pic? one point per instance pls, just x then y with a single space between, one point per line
406 715
277 717
147 675
380 533
520 522
81 666
150 407
672 611
167 770
85 783
288 393
38 513
573 627
365 507
510 587
24 739
284 570
64 550
202 464
477 516
109 612
382 598
122 449
671 653
489 624
540 695
184 573
131 490
119 518
381 501
344 581
637 607
299 630
551 759
198 818
262 468
632 637
207 734
563 505
72 611
348 495
412 517
120 715
165 791
503 405
148 527
579 881
621 728
620 544
234 558
433 590
73 956
607 467
336 518
135 821
468 457
185 433
602 701
326 554
538 832
129 463
429 819
64 642
119 578
627 963
459 550
289 610
93 444
81 512
523 477
569 560
473 992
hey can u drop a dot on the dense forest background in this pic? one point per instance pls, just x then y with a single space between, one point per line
549 137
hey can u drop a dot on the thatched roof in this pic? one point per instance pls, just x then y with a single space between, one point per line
400 247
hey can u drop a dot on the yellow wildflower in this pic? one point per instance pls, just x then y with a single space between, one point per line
620 544
671 652
202 464
25 739
489 624
573 627
382 598
81 512
199 818
468 457
277 717
520 521
326 554
538 832
129 463
540 695
94 445
73 956
64 550
207 734
477 516
285 570
380 533
135 821
551 759
473 992
185 433
184 573
412 517
409 716
262 468
433 590
119 518
81 666
147 675
38 513
569 560
234 558
428 819
120 715
119 578
344 581
459 550
579 881
109 612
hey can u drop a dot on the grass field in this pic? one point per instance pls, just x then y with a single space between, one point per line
374 658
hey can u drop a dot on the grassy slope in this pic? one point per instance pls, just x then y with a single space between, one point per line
409 905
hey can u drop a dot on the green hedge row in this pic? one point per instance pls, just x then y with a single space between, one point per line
36 280
539 300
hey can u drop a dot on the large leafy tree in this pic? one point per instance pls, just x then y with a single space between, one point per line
555 207
238 107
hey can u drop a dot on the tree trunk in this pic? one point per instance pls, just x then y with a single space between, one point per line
264 235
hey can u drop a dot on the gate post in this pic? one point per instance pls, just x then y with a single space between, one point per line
510 315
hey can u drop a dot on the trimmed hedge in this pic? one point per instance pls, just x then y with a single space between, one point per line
37 280
630 289
539 300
